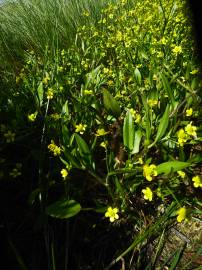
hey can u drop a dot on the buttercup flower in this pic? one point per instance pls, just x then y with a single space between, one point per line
64 173
46 79
148 194
32 117
80 128
9 136
182 137
181 174
197 181
191 130
88 92
195 71
101 132
152 102
177 49
104 144
149 171
189 112
181 214
112 214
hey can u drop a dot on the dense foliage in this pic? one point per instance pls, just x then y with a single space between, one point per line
101 126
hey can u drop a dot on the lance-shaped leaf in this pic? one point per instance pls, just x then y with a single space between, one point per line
40 94
83 147
138 136
168 90
63 209
110 104
128 131
172 166
162 125
138 75
84 151
65 109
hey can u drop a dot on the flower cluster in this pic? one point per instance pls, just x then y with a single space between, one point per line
184 134
56 150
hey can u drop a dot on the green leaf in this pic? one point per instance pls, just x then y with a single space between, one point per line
162 126
86 158
63 209
83 147
138 136
110 104
168 90
128 131
65 109
33 195
173 166
138 75
177 257
40 94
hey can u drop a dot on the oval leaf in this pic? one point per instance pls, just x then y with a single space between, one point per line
63 209
110 104
171 166
128 131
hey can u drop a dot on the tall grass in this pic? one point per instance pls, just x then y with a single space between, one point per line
33 25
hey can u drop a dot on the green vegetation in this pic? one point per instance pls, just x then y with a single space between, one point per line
101 128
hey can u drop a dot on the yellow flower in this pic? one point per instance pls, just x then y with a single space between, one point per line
56 150
15 173
55 116
101 132
112 214
64 173
104 144
181 174
88 92
195 71
152 102
135 115
9 136
197 181
181 214
46 79
32 117
182 137
189 112
80 128
148 194
140 160
149 171
191 130
177 49
163 40
50 93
